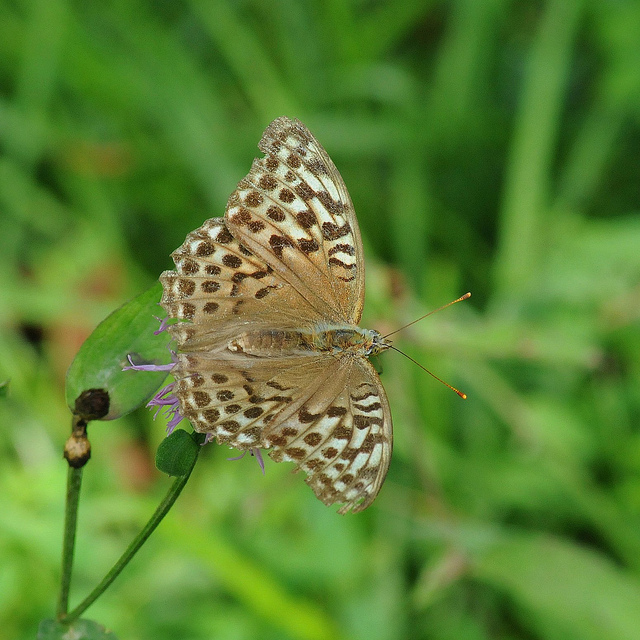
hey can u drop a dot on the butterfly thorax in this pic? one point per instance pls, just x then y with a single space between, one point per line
326 338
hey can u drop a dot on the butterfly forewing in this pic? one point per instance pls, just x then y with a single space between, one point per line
219 285
270 355
294 211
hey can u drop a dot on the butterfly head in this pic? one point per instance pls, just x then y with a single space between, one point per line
375 343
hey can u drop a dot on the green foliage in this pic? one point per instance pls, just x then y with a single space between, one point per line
177 453
128 331
487 146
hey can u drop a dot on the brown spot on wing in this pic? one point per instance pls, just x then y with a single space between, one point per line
224 237
278 243
306 219
241 217
275 213
364 422
286 196
186 287
342 248
267 182
205 249
271 163
253 199
304 191
201 398
331 231
313 439
308 246
255 226
210 286
305 417
231 261
293 160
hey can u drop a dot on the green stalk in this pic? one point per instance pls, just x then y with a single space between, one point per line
132 549
74 482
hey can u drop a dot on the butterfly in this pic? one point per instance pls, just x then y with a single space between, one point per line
271 355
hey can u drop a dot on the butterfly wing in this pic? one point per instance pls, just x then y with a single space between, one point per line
221 288
293 210
341 436
330 416
236 397
287 255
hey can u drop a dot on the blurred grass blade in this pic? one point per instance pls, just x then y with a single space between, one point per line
566 587
99 363
535 139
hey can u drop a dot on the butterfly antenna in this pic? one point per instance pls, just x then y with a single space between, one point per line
460 299
433 375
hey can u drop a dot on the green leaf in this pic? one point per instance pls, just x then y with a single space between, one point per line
99 363
78 630
563 586
177 453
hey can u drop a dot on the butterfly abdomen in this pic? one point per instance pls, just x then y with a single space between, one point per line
334 339
270 343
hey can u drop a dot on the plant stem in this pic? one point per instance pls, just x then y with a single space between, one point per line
74 481
132 549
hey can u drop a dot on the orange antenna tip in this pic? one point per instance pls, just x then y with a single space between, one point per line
433 375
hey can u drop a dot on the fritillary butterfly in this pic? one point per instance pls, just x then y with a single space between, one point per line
271 356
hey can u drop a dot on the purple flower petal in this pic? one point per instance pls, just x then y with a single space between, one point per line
258 454
166 399
164 323
148 367
254 451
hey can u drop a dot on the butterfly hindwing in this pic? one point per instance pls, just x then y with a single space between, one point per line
341 436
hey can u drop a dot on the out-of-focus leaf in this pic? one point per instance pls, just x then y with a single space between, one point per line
99 363
78 630
177 453
565 587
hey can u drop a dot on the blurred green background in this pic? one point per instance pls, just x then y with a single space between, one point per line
488 146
